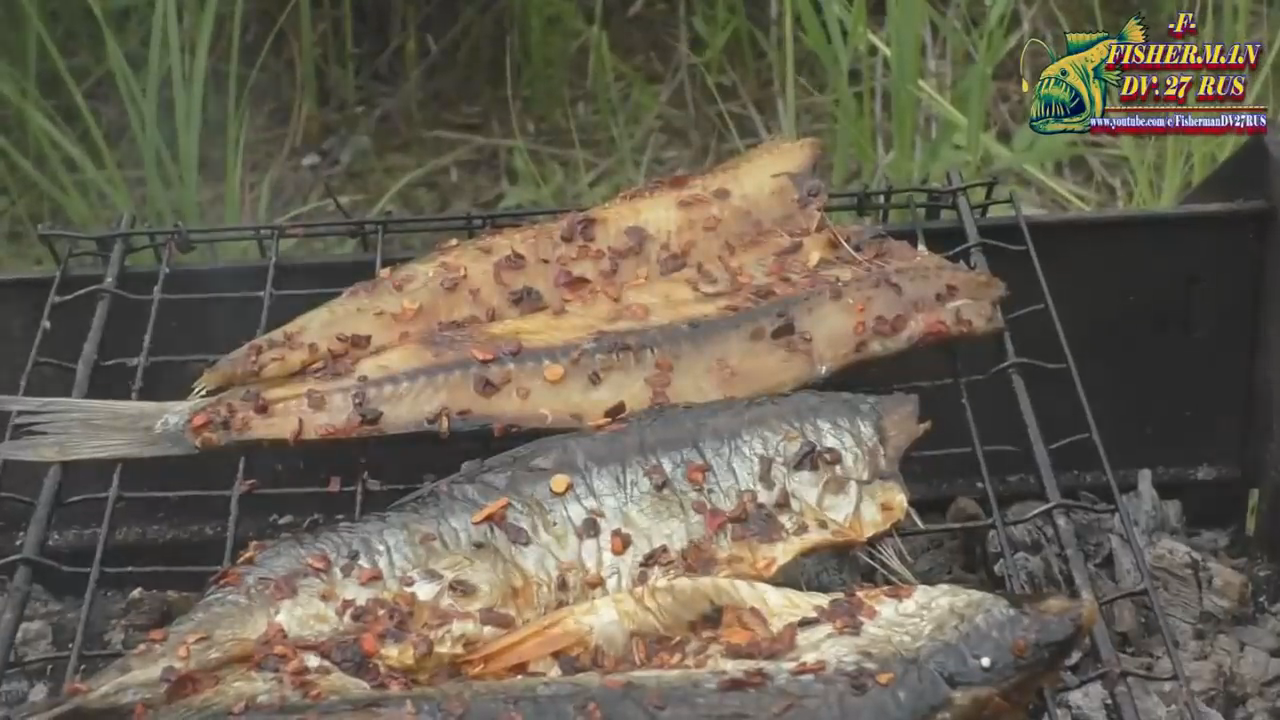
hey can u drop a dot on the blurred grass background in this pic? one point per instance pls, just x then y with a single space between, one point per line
230 111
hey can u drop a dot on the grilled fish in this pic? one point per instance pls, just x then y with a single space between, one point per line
781 313
730 489
902 653
496 277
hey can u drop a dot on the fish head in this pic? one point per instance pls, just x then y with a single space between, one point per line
1009 648
849 494
1071 91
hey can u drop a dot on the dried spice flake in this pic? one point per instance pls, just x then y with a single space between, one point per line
560 483
553 373
696 474
619 541
490 511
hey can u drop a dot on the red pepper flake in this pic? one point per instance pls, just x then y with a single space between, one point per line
367 575
157 635
663 364
482 355
619 541
200 421
229 577
884 679
1019 647
716 519
490 511
696 474
140 712
240 708
320 563
369 644
809 668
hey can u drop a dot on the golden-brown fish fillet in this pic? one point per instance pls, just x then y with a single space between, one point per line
777 313
515 272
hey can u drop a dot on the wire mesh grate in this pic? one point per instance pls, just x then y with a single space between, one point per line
165 321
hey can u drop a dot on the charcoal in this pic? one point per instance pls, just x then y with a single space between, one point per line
1033 546
1257 637
117 621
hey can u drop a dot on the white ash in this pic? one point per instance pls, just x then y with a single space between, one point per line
1229 647
118 622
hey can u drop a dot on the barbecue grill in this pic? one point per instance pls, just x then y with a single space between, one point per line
1153 303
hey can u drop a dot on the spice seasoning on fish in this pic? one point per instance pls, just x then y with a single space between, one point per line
619 541
490 511
560 483
553 373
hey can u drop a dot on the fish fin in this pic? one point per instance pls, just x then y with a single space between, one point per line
539 639
1110 77
80 429
664 606
1078 42
1134 31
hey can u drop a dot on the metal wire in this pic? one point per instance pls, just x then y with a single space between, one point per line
929 208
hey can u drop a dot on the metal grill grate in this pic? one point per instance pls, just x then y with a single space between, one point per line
63 510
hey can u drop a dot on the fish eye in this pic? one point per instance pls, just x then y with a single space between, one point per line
1062 72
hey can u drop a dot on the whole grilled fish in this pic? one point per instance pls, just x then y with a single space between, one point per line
717 647
497 277
779 312
732 489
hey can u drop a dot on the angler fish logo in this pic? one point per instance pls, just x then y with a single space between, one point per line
1073 89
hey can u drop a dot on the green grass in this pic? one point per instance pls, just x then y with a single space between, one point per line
202 111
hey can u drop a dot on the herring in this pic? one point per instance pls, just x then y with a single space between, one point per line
518 558
770 186
775 313
939 652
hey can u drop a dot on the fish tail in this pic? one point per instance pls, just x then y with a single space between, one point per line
1134 31
65 429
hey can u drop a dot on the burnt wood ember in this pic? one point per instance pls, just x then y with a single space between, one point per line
983 397
1228 644
117 623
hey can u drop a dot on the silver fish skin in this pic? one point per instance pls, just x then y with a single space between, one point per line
943 652
497 545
